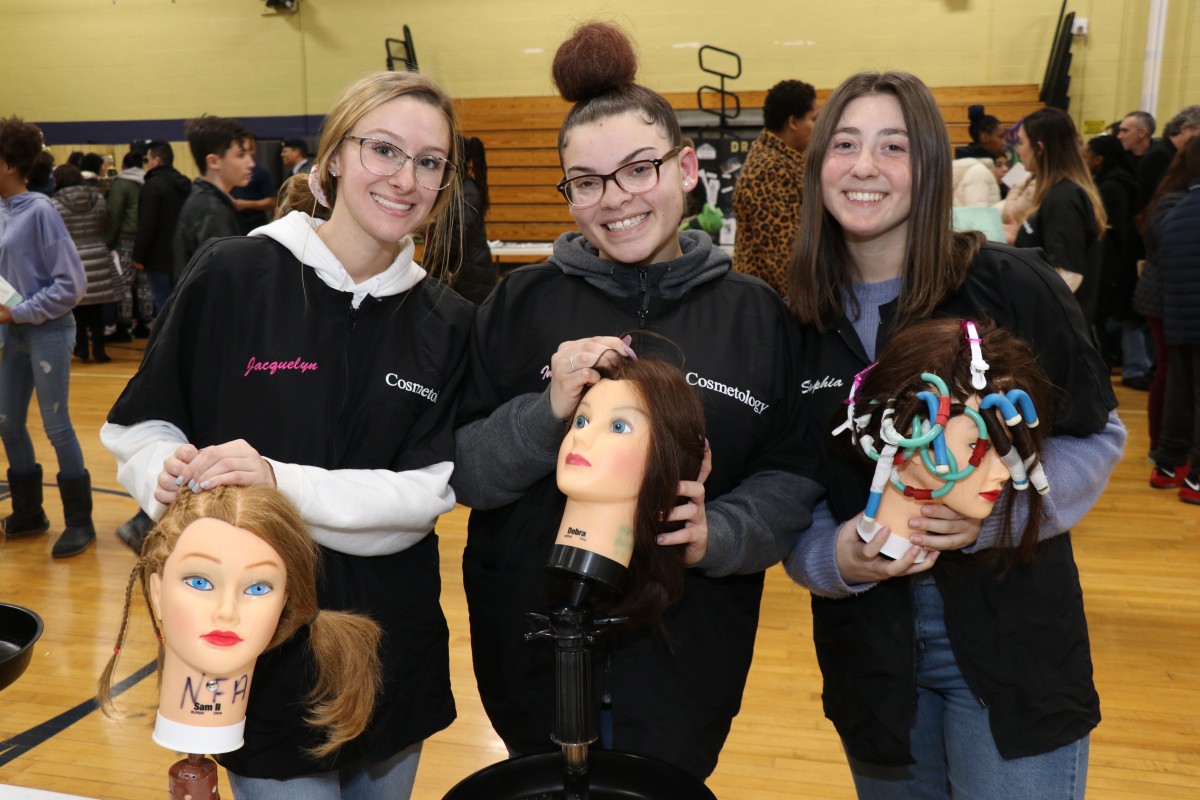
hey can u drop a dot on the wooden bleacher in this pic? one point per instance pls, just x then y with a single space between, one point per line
521 137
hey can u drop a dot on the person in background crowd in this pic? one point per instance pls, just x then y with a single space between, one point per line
1149 300
1136 132
294 155
1178 260
1068 219
123 197
255 201
471 258
766 196
988 136
162 198
86 216
41 176
219 148
1178 131
1115 317
39 260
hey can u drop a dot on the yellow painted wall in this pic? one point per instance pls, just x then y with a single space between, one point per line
72 60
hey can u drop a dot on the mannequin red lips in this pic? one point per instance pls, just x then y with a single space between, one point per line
222 638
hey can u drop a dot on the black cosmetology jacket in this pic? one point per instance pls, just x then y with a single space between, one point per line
672 701
1020 637
1064 226
247 299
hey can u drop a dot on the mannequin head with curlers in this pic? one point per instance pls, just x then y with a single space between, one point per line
949 415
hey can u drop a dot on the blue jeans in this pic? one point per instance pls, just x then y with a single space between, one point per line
161 286
39 357
951 741
392 779
1137 347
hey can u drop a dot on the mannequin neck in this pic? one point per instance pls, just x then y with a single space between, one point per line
896 509
602 527
191 697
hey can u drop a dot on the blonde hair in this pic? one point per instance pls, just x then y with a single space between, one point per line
358 99
345 646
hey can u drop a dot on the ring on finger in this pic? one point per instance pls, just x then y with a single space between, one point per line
571 363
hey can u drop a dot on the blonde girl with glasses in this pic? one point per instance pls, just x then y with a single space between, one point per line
669 690
318 357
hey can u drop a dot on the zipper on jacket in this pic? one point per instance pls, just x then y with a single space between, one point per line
644 291
345 382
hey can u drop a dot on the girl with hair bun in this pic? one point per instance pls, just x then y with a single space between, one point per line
317 356
547 333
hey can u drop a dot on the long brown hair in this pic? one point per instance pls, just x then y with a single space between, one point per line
674 453
936 257
1057 157
939 346
345 646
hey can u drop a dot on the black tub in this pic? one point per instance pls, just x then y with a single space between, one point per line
19 629
611 776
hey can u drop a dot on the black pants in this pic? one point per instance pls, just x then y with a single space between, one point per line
1179 440
89 323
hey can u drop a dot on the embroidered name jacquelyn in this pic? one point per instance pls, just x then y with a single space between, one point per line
296 364
740 395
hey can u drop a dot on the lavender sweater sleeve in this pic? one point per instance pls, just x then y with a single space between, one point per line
39 259
1078 470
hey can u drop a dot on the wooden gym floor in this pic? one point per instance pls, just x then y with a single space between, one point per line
1138 551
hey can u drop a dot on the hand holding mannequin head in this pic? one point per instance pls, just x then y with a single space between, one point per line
948 414
635 435
231 573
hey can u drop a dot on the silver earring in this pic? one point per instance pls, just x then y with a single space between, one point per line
333 172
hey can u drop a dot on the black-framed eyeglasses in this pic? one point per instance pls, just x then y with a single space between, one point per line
636 177
386 159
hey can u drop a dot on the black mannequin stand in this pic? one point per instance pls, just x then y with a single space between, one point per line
578 773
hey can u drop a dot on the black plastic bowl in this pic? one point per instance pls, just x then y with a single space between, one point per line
20 628
610 776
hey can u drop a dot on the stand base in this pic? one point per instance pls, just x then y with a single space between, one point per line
611 776
193 778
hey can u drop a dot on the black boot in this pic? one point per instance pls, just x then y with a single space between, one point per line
77 509
28 518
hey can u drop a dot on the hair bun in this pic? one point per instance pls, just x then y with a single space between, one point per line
975 112
597 57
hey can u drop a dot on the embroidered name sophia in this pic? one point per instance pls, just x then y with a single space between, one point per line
296 364
741 395
828 382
